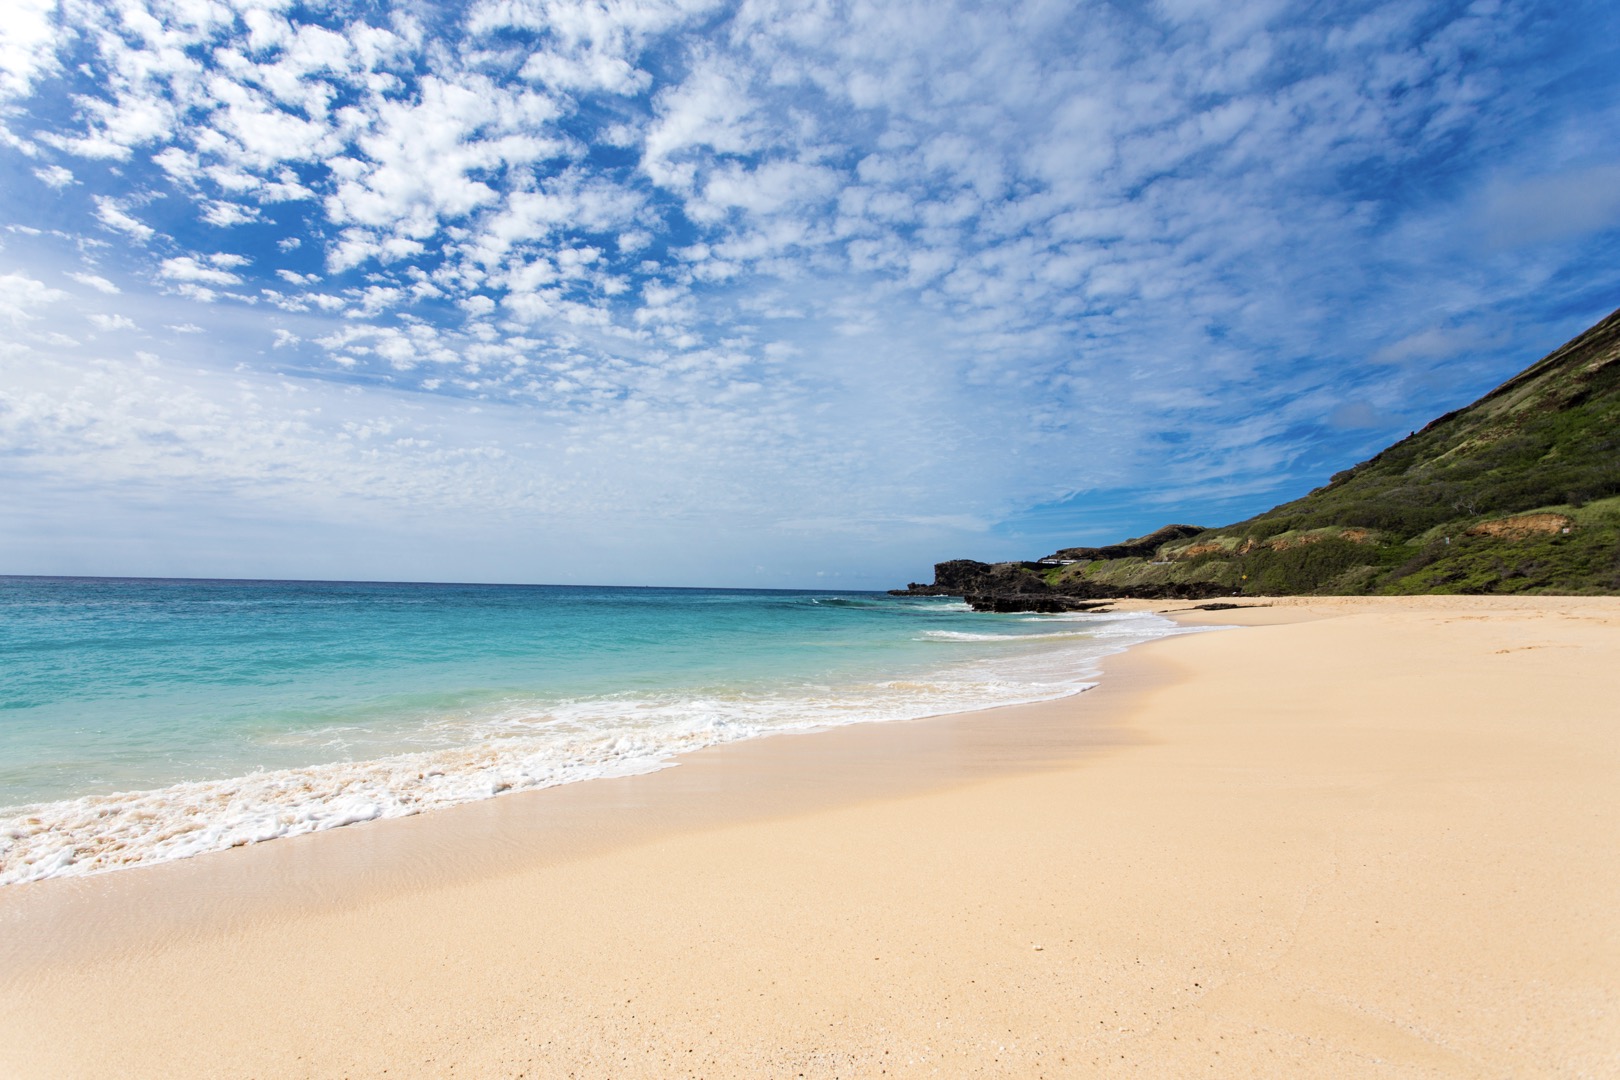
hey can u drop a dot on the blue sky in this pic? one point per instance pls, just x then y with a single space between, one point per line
759 294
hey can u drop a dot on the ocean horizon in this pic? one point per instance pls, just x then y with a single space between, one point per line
148 719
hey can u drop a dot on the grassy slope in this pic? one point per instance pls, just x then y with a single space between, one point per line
1444 510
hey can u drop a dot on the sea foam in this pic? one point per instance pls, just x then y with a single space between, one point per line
525 745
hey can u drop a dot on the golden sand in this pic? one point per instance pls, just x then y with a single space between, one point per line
1350 838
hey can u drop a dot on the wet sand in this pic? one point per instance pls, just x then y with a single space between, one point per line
1349 837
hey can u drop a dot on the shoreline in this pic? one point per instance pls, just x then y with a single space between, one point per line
755 779
523 741
1410 879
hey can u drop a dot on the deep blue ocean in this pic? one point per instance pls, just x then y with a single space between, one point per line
143 720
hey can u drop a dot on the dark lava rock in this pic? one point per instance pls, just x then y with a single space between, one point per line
1085 596
1051 604
1020 586
1143 547
961 577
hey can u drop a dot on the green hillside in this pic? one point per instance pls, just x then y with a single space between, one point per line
1518 492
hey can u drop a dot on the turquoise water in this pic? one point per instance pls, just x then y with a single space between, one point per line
142 720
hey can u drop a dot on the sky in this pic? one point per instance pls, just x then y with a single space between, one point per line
760 294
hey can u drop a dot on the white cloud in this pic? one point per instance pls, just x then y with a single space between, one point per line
111 213
374 299
56 176
772 187
112 322
419 156
260 135
711 111
27 45
158 425
226 214
96 282
188 268
567 201
589 46
117 127
21 297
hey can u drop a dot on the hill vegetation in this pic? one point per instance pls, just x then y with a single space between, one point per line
1518 492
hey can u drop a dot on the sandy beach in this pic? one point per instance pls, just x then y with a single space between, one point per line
1345 837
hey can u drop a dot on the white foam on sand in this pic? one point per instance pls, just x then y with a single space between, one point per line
521 748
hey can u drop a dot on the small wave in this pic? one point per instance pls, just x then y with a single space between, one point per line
962 635
1091 617
108 832
519 747
850 602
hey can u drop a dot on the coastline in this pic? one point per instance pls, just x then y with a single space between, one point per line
1375 837
110 771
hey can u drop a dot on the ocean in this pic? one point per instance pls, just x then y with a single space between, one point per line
145 720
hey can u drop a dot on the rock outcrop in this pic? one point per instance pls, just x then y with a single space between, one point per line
1143 547
1021 586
